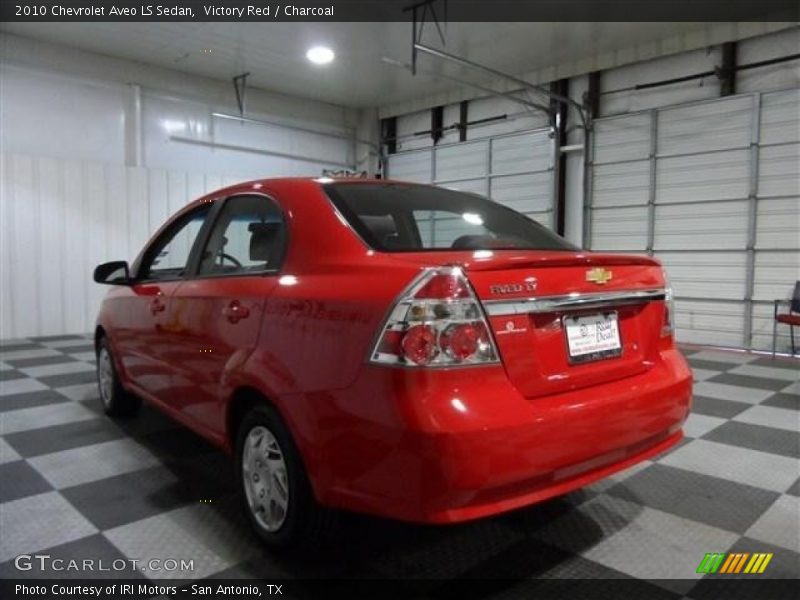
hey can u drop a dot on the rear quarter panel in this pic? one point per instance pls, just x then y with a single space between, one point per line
332 294
316 333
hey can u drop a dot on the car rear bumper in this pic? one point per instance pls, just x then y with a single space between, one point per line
455 445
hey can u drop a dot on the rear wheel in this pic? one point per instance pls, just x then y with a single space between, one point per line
116 401
275 488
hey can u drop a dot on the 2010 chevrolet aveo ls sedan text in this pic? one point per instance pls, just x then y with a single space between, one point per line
390 348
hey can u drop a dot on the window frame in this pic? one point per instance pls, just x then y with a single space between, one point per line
177 222
193 270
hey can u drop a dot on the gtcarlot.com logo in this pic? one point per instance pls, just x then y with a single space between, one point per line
44 562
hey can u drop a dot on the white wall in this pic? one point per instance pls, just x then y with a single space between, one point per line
60 217
53 105
91 166
511 116
775 77
660 69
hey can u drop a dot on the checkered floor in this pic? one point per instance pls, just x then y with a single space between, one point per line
79 485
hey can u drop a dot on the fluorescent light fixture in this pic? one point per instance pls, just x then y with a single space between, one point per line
472 218
320 55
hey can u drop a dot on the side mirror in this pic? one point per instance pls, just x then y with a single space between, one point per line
112 273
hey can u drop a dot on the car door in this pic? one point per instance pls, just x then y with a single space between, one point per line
143 339
218 310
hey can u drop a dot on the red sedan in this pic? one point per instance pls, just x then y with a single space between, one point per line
397 349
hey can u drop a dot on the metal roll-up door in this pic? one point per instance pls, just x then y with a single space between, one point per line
521 174
621 183
416 166
463 167
701 215
513 169
711 188
776 264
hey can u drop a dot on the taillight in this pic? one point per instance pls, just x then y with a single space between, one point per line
437 322
668 327
419 344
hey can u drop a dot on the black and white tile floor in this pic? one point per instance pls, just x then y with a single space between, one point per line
76 484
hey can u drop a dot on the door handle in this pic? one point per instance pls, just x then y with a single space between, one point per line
157 306
235 312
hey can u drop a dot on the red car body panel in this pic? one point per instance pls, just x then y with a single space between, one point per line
429 445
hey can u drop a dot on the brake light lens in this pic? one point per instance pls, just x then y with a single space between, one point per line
668 328
460 341
437 322
419 344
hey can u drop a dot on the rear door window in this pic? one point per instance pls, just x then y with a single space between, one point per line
249 236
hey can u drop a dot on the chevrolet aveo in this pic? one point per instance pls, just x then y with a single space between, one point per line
390 348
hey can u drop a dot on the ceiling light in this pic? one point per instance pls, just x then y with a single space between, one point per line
320 55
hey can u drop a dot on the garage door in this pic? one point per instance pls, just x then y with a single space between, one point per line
710 188
514 169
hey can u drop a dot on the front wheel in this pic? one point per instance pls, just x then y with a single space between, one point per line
275 488
116 401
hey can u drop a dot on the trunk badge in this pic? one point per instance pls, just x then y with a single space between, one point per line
529 285
598 275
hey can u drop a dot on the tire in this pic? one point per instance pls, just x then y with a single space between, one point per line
115 400
276 493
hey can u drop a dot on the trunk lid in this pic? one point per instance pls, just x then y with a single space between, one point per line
531 297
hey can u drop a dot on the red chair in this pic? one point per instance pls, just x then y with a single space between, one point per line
790 318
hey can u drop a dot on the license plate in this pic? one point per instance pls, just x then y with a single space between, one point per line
592 337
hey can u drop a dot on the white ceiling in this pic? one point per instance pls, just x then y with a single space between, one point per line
274 53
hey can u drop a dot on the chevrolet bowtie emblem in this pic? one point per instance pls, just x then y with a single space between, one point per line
598 275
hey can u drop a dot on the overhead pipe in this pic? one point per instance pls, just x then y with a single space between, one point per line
509 95
453 127
330 134
701 75
521 82
251 150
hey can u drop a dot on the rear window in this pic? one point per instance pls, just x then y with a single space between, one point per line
400 217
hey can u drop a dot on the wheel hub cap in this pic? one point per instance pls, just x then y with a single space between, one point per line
105 376
265 479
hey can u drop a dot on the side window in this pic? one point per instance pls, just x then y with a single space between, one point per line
168 256
249 236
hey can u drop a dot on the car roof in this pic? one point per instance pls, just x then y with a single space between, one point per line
278 184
